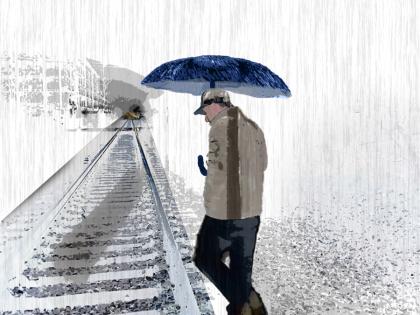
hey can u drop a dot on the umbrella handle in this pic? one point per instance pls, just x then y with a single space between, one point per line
212 84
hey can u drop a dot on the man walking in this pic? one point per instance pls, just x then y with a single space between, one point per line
236 162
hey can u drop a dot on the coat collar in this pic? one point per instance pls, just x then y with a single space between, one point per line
221 114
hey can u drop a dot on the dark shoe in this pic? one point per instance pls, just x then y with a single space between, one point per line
244 309
256 303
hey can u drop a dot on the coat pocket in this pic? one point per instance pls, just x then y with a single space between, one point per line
214 149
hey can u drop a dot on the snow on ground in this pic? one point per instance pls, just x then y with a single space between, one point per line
34 148
353 262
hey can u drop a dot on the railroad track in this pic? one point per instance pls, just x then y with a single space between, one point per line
115 245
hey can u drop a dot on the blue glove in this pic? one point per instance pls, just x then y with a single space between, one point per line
203 170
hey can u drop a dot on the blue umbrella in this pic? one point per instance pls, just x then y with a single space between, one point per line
194 75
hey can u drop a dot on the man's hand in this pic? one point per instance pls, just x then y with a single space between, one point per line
203 170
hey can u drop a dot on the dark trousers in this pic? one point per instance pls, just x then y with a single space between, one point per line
236 236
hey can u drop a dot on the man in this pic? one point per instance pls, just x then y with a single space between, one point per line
236 161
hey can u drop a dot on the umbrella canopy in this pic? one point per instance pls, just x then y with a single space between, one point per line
194 75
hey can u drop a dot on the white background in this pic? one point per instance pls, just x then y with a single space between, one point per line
349 130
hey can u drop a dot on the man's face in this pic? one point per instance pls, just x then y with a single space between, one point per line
211 110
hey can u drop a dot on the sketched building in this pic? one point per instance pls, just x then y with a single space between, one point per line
48 86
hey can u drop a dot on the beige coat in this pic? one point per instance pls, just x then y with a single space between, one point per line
236 162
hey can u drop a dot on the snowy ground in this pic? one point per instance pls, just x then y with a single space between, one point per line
310 264
46 141
105 250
